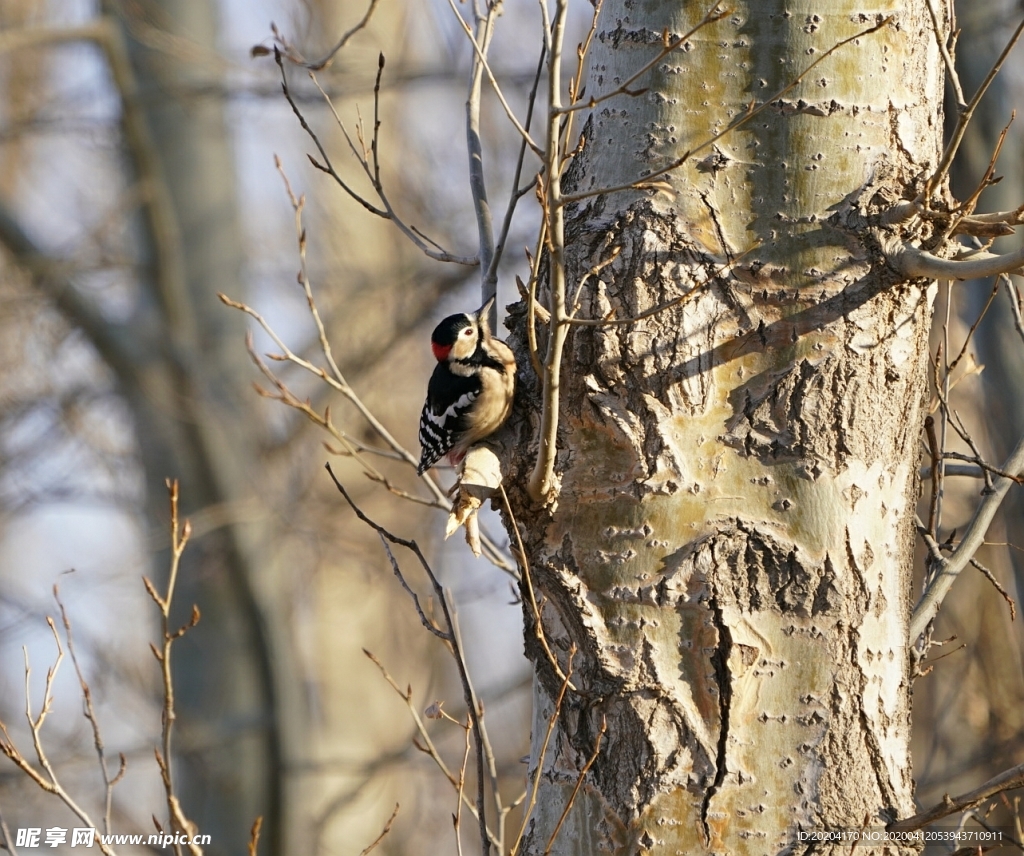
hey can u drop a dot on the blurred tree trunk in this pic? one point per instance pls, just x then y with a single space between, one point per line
731 552
229 734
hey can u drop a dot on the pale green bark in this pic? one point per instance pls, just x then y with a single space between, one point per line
731 551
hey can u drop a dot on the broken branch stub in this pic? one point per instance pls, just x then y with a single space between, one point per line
480 478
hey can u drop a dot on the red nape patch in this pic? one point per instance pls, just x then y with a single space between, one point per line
456 458
440 351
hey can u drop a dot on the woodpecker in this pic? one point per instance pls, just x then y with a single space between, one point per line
470 392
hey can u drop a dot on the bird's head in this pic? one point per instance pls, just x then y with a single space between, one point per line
457 336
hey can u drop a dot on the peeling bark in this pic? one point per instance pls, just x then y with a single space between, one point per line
731 549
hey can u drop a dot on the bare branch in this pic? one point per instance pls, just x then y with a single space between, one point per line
474 148
542 485
326 166
966 471
998 586
1012 218
913 262
8 842
427 746
254 835
48 782
938 471
1015 304
1008 780
426 622
974 326
538 627
294 56
947 570
386 212
951 73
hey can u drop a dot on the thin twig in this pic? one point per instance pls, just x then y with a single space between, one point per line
985 572
579 784
90 714
576 85
535 785
8 842
532 306
427 746
457 817
488 747
179 540
474 148
714 14
983 467
386 212
751 113
456 650
49 782
426 622
326 166
974 326
318 64
516 193
527 579
951 73
1013 295
937 472
384 832
254 835
481 57
961 429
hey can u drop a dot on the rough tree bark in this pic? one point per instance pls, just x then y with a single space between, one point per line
732 547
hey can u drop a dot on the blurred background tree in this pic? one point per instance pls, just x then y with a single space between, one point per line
137 182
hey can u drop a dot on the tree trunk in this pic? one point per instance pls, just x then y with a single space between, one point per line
732 547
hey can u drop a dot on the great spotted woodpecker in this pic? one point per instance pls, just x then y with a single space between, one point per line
470 392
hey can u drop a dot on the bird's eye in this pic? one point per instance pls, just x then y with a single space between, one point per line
468 331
